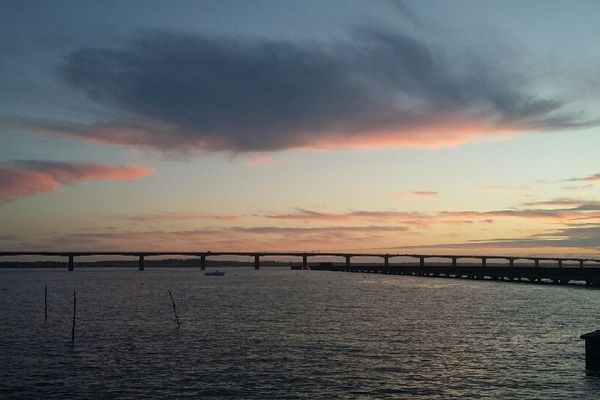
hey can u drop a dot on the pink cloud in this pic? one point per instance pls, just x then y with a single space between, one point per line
258 159
449 131
251 238
32 177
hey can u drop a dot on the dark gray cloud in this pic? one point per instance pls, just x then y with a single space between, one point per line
406 11
583 236
586 179
180 91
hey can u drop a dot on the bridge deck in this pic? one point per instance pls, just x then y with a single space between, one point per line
543 274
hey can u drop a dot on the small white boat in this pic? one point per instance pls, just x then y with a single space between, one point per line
215 273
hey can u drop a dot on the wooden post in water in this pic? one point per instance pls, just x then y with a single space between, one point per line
74 311
174 309
46 302
592 351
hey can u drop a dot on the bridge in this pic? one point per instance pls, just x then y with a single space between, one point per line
533 269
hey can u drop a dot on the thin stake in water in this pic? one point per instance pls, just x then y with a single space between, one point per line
74 309
46 302
174 309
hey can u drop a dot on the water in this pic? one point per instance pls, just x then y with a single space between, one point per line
277 333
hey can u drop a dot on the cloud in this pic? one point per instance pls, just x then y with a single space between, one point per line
581 210
576 238
171 216
577 188
179 92
247 238
413 195
406 11
566 202
506 189
584 237
586 179
325 229
32 177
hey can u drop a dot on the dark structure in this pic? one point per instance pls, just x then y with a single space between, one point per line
558 270
516 273
592 351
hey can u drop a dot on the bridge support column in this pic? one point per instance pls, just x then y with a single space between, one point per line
580 263
386 261
256 262
347 263
511 262
141 263
559 263
305 262
202 262
454 262
71 263
537 263
483 261
421 261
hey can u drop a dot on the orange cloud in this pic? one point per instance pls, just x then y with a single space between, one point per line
587 210
32 177
413 195
506 189
170 216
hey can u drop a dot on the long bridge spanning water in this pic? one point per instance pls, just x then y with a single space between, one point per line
560 270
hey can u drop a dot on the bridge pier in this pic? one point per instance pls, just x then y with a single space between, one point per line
202 262
304 261
141 262
71 266
536 262
559 263
347 263
483 261
421 262
386 261
511 262
256 261
580 263
454 262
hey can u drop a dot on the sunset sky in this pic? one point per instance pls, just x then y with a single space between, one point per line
379 126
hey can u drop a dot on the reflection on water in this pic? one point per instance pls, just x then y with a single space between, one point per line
277 333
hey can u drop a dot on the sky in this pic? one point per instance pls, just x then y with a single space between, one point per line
461 127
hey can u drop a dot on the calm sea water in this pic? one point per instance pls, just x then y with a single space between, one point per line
277 333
